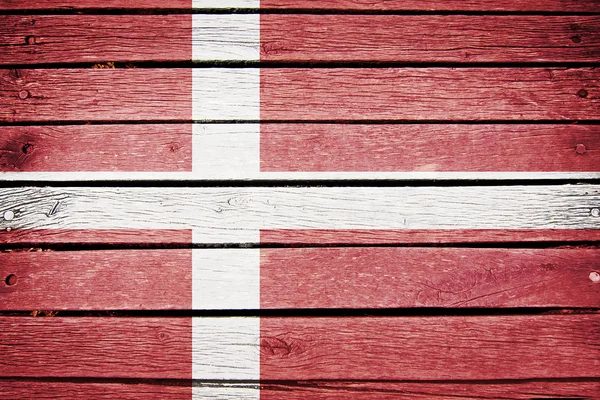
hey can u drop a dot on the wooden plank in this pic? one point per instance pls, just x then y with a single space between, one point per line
284 94
411 5
85 148
236 215
276 37
286 278
302 348
299 151
25 390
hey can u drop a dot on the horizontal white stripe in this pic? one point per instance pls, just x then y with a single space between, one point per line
235 214
227 37
225 279
226 348
226 94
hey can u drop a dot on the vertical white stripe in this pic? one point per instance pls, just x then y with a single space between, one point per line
226 4
225 279
226 151
226 348
227 37
226 94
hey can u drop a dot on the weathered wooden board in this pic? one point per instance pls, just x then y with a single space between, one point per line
236 215
276 37
299 94
26 390
585 6
299 151
286 278
301 348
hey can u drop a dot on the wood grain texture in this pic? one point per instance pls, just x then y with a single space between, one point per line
97 280
299 278
118 148
429 94
95 94
182 237
421 236
435 5
300 94
380 277
525 390
34 39
89 38
298 151
421 147
294 348
96 347
235 215
428 38
383 348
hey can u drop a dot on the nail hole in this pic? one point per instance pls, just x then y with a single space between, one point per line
9 215
576 39
30 40
582 93
27 149
10 280
580 149
595 212
594 277
23 94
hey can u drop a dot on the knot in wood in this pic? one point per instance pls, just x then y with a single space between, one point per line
27 148
594 277
582 93
281 346
576 39
23 94
595 212
580 148
30 40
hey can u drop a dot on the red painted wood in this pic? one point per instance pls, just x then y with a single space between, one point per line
469 148
428 38
388 277
152 148
34 39
421 348
429 94
432 5
97 236
26 390
99 38
97 280
345 348
96 347
422 236
307 278
309 94
96 94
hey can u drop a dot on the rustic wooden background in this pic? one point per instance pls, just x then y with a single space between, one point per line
299 199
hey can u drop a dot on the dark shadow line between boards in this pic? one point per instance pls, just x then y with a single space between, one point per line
82 246
416 312
306 11
351 64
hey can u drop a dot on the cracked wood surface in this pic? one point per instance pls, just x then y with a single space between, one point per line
302 38
236 215
299 94
303 348
287 278
581 6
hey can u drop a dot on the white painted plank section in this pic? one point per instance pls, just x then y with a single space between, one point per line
225 279
239 391
226 94
233 215
199 4
225 37
226 348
